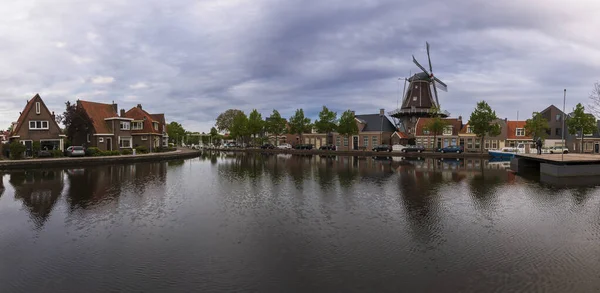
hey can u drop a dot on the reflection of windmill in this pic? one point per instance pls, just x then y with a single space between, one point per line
421 97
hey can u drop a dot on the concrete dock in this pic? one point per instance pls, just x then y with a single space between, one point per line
557 165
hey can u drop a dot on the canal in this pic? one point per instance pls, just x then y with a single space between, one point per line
283 223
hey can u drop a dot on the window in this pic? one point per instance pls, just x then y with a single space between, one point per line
462 142
520 132
125 142
470 143
337 141
100 139
487 144
365 141
38 125
415 98
137 125
447 130
469 129
345 141
37 108
558 131
155 125
477 143
144 137
374 140
425 131
494 144
87 137
558 117
125 125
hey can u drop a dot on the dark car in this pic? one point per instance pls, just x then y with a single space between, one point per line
75 151
451 149
267 146
329 147
304 147
383 148
413 148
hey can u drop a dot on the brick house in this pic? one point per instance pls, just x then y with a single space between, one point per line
515 134
147 129
399 137
105 129
471 143
591 141
555 117
373 130
449 136
37 124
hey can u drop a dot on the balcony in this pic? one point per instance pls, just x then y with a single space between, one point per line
415 111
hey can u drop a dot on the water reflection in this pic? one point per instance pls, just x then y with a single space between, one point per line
38 190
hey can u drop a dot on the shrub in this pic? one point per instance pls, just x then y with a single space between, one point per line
92 151
16 150
126 152
141 149
163 149
108 153
57 153
36 148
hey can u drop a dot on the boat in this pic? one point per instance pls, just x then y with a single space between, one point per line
507 152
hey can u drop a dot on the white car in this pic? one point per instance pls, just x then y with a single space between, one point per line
285 146
558 150
398 147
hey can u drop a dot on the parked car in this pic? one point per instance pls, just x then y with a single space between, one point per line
383 148
75 151
451 149
304 146
267 146
285 146
398 147
329 147
413 148
558 150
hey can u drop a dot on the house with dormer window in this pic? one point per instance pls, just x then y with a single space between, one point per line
148 130
516 134
472 143
37 123
100 125
448 137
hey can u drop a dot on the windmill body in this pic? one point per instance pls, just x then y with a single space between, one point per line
420 98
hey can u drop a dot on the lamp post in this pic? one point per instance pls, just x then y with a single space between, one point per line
562 156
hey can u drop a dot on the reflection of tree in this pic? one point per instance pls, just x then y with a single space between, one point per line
347 173
39 190
326 173
1 184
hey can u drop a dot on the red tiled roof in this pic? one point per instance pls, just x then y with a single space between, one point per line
511 130
97 112
454 122
138 114
26 111
161 122
400 134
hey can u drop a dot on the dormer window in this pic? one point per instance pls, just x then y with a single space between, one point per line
469 129
38 109
447 130
520 132
155 125
137 125
125 125
426 131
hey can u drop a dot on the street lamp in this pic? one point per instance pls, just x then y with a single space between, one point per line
562 156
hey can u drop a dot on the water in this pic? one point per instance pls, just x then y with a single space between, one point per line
281 223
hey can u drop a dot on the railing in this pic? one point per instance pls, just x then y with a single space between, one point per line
416 111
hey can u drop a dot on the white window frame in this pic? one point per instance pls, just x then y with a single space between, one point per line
144 137
100 139
124 125
38 108
366 141
521 130
469 129
447 130
88 137
42 122
125 138
155 125
137 125
374 140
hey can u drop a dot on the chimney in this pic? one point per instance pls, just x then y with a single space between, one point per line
505 119
353 114
140 106
460 118
122 112
53 116
381 112
115 107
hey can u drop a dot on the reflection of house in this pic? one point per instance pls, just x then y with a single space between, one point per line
38 190
448 137
37 124
373 130
147 129
105 129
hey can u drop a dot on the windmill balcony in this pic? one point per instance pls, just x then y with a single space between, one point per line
412 111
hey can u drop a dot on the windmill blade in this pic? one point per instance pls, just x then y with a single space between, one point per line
437 102
440 84
419 65
429 58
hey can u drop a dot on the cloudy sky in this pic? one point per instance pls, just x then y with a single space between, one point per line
195 59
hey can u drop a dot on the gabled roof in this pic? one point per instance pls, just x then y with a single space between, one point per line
373 122
454 122
26 111
97 112
551 107
400 134
161 121
511 130
138 113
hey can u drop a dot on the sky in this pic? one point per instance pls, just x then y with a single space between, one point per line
195 59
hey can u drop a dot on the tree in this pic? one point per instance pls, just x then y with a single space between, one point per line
436 125
326 123
537 126
595 99
581 122
214 135
75 121
347 125
239 127
276 125
255 123
175 132
482 122
299 124
225 119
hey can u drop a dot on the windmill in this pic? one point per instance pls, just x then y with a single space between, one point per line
420 97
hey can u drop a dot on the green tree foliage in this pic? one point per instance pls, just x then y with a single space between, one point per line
299 124
36 147
276 125
225 119
537 126
436 125
176 132
347 125
17 150
326 122
215 137
482 122
75 121
255 123
581 123
239 128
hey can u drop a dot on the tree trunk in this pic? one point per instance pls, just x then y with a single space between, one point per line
434 142
581 149
481 145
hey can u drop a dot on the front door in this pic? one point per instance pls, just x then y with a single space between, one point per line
28 148
109 146
597 148
355 142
